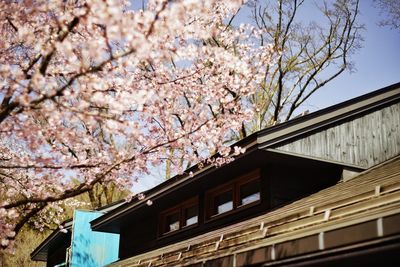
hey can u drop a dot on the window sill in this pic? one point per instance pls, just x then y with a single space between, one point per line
183 229
233 211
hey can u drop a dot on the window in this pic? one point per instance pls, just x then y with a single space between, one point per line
179 217
172 222
191 216
241 192
223 202
249 192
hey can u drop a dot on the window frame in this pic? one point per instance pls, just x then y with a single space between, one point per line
164 217
235 187
180 209
211 195
243 181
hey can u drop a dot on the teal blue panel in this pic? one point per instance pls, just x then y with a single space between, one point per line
90 248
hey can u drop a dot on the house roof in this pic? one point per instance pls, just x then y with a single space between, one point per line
362 212
267 139
59 236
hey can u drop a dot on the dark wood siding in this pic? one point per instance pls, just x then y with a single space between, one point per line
365 141
280 183
288 183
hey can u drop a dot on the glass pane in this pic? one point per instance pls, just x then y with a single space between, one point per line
223 203
191 216
172 222
250 192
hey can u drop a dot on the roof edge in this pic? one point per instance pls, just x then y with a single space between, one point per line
67 225
327 116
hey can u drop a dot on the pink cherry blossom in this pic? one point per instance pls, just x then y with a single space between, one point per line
92 91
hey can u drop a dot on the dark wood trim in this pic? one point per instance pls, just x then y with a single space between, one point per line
233 186
253 176
180 210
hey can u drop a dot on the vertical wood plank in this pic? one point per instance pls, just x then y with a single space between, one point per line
364 141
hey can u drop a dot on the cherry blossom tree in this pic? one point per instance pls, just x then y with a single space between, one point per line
97 92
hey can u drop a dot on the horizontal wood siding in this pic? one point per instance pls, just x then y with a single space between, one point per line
364 141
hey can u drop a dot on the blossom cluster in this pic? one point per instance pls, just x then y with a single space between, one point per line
96 91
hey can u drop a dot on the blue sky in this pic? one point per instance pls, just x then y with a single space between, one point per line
377 63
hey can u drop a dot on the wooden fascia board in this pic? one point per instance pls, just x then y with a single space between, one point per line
95 224
197 174
44 246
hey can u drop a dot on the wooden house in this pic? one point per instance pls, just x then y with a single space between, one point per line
323 188
320 190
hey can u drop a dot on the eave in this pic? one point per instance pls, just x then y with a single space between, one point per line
57 236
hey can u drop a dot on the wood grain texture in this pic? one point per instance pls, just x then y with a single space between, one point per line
364 141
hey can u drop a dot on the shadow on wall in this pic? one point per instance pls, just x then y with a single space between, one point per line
82 257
